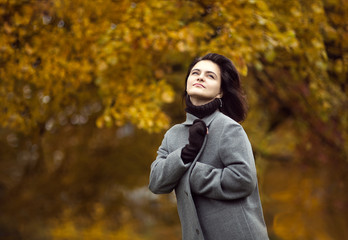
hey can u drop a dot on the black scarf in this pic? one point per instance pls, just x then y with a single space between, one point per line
203 110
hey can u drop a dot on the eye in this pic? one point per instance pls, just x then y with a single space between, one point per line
194 73
211 76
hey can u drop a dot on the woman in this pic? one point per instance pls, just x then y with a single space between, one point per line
208 159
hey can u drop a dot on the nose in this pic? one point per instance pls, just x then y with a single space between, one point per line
200 78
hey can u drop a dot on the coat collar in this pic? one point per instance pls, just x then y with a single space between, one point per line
208 119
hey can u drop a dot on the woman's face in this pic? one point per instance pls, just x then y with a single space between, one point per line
204 82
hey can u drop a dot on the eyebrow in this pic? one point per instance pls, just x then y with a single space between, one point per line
196 69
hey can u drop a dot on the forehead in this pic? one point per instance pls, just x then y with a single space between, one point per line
207 65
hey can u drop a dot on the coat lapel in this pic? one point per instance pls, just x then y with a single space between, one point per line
184 190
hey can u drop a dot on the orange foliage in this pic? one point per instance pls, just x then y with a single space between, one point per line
120 64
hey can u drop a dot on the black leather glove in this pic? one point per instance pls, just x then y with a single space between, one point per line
197 133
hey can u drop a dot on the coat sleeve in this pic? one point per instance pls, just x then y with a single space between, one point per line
237 179
167 169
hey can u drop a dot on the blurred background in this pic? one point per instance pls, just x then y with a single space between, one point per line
88 88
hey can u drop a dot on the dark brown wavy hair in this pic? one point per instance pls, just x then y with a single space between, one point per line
233 99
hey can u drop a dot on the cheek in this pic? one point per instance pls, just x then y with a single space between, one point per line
189 83
218 88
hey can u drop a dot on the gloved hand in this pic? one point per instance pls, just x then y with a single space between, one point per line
197 132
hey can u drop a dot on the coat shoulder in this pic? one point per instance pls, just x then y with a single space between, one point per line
224 120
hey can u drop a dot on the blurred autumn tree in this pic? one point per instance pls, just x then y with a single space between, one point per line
68 66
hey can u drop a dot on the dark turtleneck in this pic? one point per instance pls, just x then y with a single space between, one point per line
203 110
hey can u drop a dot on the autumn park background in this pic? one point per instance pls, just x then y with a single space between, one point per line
88 88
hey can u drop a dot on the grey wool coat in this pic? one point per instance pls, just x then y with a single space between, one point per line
217 194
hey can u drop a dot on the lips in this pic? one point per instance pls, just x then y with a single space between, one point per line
198 85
